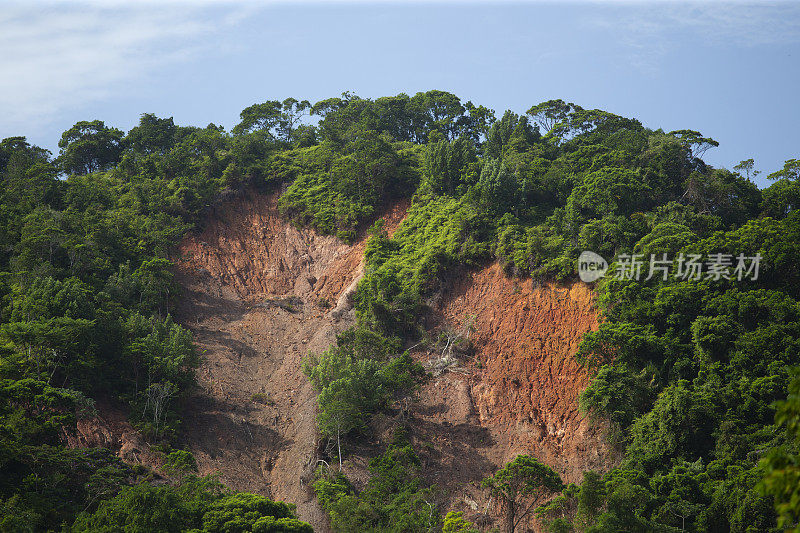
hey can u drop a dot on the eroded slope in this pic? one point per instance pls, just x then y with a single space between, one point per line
516 393
259 295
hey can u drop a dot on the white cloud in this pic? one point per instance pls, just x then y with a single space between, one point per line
58 56
648 31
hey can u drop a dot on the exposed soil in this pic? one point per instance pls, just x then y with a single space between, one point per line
514 392
110 428
259 295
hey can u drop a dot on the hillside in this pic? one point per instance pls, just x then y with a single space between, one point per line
374 320
259 295
516 394
253 284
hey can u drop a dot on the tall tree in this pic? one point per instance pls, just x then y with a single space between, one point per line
552 112
292 113
519 485
264 117
152 135
476 122
783 196
782 463
437 111
694 141
501 133
497 188
746 166
89 146
790 171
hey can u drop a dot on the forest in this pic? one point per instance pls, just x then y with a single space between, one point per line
699 379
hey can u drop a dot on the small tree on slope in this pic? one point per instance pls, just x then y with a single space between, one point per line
519 485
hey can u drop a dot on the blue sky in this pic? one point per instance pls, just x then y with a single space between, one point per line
729 70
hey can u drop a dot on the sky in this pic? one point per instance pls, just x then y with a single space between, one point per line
730 70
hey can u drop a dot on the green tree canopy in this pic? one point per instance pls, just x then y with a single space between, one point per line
519 484
89 146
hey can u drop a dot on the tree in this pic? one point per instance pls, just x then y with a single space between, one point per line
264 117
349 185
180 464
781 198
338 115
498 188
695 142
476 122
392 500
355 378
519 485
54 346
140 509
27 174
552 112
445 164
720 192
436 111
158 399
340 412
455 523
155 278
747 166
163 360
89 146
197 505
609 190
278 121
350 387
595 124
680 426
615 393
500 134
152 135
245 513
41 243
27 154
590 497
790 171
292 113
393 115
782 463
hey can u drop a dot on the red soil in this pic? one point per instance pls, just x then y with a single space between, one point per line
517 394
254 419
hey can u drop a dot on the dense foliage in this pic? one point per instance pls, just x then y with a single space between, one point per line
394 499
86 290
687 371
197 505
355 377
519 484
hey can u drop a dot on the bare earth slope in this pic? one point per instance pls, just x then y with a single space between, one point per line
526 340
516 394
261 293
